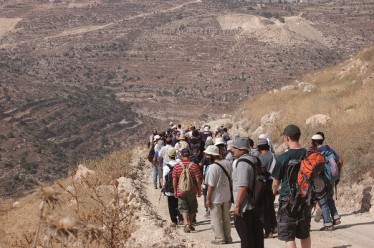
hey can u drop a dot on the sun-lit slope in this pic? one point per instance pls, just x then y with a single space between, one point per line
343 92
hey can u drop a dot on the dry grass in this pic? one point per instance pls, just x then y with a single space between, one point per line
90 212
345 93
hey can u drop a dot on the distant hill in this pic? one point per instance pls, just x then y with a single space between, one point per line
84 79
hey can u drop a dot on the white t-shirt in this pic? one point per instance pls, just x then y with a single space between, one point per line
217 178
165 171
164 153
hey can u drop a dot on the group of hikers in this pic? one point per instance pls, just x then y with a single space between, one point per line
233 174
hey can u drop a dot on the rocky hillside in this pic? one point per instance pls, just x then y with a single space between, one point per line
84 79
337 101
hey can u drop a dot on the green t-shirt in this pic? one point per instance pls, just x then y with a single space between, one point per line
281 168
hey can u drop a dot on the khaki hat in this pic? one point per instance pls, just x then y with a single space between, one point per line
172 152
230 144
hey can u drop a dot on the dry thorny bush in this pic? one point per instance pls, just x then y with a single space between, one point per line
95 216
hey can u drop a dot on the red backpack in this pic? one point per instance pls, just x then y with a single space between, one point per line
306 180
311 180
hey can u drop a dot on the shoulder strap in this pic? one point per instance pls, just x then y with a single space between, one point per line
227 174
254 169
170 167
224 170
272 164
246 160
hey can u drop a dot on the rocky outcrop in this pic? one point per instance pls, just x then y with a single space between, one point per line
82 172
318 120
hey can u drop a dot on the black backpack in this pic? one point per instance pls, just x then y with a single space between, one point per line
151 154
168 186
196 151
257 192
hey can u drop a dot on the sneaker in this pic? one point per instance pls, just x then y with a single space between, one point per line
187 229
318 215
327 228
218 242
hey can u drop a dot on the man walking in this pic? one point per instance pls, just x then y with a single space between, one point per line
187 201
268 160
168 189
247 219
327 207
218 197
291 224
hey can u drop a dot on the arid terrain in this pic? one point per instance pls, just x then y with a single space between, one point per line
83 79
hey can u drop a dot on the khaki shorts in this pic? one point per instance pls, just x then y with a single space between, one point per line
160 171
187 204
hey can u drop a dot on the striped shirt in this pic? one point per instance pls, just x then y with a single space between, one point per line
195 174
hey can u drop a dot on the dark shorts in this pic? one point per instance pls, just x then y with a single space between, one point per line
293 225
187 204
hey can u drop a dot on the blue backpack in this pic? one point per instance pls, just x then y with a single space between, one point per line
331 167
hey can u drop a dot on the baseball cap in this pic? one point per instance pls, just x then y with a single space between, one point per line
185 152
172 152
291 130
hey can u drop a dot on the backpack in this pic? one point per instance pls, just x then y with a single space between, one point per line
151 154
306 180
332 169
260 183
168 186
195 148
185 183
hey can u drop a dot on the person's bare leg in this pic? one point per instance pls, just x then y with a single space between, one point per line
186 219
306 243
291 244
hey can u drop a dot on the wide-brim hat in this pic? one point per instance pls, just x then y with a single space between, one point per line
212 150
241 143
230 144
219 141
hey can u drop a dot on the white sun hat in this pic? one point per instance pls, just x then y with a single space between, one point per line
212 150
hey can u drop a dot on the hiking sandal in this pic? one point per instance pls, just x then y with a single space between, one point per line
327 228
187 229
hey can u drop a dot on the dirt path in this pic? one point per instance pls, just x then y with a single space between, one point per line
356 230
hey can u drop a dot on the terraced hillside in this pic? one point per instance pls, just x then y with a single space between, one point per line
82 79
